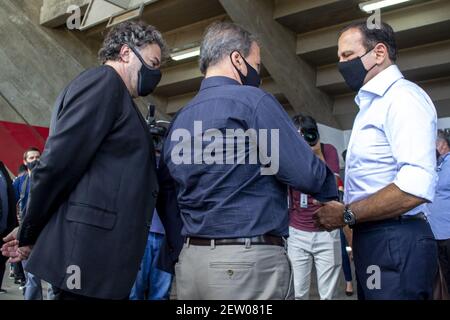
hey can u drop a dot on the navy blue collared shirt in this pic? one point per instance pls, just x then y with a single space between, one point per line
230 195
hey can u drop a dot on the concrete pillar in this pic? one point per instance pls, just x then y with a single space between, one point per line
295 78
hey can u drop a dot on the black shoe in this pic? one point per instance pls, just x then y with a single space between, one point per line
3 291
348 293
16 281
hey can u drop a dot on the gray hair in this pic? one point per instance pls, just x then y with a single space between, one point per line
220 40
134 34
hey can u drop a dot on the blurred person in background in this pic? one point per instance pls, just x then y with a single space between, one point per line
307 244
439 217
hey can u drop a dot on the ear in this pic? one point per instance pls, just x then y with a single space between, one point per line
125 52
381 51
238 62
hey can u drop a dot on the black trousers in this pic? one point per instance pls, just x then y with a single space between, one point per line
444 259
395 260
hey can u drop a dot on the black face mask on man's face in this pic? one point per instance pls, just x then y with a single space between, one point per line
148 78
354 72
31 165
252 78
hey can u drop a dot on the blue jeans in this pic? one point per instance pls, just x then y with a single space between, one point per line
399 256
33 287
151 283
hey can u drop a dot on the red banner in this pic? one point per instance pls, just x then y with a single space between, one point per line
15 138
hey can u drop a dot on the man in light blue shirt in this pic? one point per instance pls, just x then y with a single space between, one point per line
440 208
390 171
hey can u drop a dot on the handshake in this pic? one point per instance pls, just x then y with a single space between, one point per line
12 250
330 216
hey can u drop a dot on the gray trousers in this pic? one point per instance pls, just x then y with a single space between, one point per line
234 272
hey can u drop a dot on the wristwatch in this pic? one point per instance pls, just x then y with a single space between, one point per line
349 216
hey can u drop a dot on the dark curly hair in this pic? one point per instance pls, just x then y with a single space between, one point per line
134 34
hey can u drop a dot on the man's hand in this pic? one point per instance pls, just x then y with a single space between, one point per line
11 248
330 216
24 252
11 236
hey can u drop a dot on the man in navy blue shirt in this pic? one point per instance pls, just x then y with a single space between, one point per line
232 152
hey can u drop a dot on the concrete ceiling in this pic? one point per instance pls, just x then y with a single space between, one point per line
422 28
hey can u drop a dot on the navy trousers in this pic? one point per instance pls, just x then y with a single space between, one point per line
346 266
395 260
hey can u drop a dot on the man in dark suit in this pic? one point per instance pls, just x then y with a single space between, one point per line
94 190
8 219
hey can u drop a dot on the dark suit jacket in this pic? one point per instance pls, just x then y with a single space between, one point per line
169 213
11 221
93 194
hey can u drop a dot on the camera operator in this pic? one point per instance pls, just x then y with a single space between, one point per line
306 243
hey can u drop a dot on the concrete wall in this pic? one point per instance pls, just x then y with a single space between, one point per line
36 62
444 123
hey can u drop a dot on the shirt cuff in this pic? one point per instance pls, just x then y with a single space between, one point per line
417 181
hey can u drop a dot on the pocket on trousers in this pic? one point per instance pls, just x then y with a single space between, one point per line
429 249
229 273
393 260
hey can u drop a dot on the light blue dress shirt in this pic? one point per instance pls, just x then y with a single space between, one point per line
393 140
440 208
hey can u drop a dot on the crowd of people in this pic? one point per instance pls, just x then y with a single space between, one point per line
103 214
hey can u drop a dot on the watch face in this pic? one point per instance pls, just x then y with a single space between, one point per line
348 217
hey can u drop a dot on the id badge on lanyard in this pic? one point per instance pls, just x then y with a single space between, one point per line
303 200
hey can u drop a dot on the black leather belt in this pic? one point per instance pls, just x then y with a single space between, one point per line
259 240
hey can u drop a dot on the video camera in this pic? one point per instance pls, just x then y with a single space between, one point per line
311 135
307 126
158 129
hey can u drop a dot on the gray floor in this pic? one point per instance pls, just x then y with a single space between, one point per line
15 294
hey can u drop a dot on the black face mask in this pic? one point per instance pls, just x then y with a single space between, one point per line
354 72
32 165
148 77
252 78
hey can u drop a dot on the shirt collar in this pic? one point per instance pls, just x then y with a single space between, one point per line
381 83
443 158
217 81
